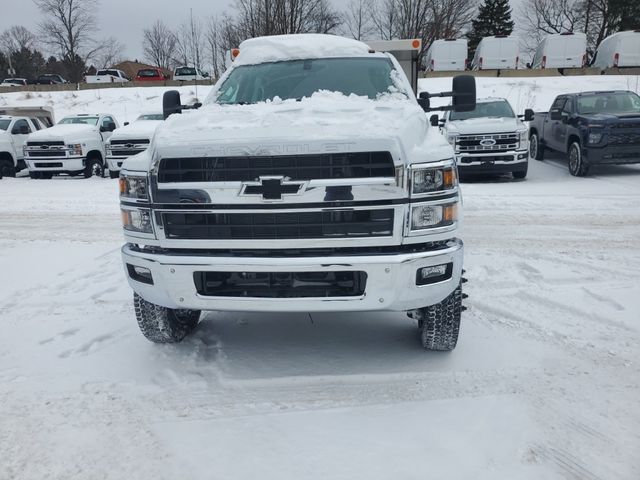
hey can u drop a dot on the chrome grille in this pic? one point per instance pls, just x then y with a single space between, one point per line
473 143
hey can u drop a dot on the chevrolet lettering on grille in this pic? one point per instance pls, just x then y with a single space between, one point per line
271 188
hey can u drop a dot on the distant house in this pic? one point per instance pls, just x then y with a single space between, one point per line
131 68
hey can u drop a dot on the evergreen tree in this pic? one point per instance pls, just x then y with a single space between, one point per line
494 18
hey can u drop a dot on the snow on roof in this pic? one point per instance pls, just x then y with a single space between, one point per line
295 47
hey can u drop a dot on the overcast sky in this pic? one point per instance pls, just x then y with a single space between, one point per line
125 19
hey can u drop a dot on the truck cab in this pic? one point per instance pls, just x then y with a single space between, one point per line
491 139
309 181
75 146
16 124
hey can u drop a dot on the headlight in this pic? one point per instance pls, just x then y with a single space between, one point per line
451 138
108 147
523 136
134 187
75 148
595 137
433 179
433 216
137 220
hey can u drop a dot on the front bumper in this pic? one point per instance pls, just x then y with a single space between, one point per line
469 163
52 164
115 163
391 280
613 155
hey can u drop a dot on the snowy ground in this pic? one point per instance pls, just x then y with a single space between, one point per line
544 383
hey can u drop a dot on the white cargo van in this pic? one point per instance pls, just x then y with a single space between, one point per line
497 52
447 55
621 49
561 50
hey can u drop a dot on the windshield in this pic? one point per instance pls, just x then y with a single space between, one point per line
4 124
370 77
613 102
79 120
497 109
148 73
186 71
151 116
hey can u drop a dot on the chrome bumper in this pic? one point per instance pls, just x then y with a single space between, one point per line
391 280
513 157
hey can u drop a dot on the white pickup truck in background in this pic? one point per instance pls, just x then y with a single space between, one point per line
16 123
131 140
76 145
491 139
109 75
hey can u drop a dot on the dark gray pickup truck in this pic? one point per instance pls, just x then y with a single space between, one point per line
592 128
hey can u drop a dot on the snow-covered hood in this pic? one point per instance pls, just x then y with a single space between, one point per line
475 126
326 122
67 133
140 129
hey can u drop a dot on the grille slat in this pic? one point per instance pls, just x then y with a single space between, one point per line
139 141
281 284
278 226
48 144
126 153
295 167
472 143
616 138
47 153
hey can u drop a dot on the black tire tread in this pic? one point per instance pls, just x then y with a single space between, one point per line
163 325
440 323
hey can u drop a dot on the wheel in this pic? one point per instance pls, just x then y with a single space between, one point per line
535 149
113 174
46 175
164 325
577 166
94 167
439 324
7 169
520 174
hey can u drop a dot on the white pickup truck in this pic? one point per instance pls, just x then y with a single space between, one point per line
107 76
16 123
76 145
491 139
309 181
130 140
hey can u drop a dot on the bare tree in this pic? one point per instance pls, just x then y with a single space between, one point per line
109 54
543 17
190 43
159 45
357 19
385 18
69 27
16 38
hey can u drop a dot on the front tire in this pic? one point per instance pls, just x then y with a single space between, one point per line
163 325
439 324
536 150
521 174
7 169
94 167
577 166
115 174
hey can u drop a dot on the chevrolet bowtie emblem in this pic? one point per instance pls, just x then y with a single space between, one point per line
271 188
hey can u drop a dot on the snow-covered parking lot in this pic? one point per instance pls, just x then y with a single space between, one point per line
544 382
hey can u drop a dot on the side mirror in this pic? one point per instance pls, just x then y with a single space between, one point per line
434 120
126 123
528 115
528 65
555 115
423 101
464 93
171 103
197 105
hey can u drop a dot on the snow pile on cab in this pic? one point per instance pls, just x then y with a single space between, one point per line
296 47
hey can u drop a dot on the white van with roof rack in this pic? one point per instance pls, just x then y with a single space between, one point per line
561 50
621 49
449 54
499 52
